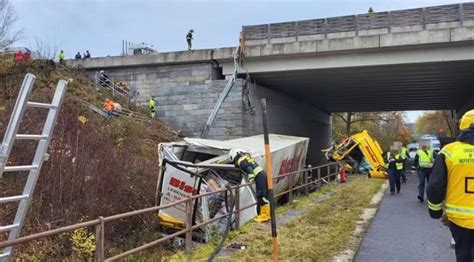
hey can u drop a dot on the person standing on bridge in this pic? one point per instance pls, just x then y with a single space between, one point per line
245 162
424 160
189 38
452 181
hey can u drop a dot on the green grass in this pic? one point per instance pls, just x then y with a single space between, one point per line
316 235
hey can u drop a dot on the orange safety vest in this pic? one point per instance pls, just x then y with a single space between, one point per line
108 106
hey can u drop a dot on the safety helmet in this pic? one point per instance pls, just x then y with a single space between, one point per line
467 121
234 152
101 71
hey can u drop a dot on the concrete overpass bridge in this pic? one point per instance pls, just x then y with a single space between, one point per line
417 59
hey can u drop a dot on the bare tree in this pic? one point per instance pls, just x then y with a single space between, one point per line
45 49
8 18
350 118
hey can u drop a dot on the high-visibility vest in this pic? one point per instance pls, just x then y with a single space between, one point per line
151 105
399 166
403 152
459 200
256 169
425 159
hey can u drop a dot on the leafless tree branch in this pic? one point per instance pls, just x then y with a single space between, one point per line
8 18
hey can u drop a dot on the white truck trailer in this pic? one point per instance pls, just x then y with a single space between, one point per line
195 166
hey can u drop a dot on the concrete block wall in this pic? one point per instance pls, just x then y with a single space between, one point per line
290 116
185 96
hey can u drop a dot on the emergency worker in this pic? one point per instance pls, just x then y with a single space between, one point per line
245 162
452 182
424 160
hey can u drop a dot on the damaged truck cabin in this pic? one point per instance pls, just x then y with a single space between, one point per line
196 166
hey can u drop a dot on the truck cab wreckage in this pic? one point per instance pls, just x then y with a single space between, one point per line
198 166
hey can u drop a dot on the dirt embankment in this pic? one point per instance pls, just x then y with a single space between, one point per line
97 167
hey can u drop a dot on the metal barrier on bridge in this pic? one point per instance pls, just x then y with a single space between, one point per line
314 176
356 23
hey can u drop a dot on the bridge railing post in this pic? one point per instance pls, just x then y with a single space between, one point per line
269 33
423 14
356 25
325 28
297 31
389 24
461 14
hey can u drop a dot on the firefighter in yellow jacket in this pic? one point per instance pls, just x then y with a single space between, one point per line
245 162
452 182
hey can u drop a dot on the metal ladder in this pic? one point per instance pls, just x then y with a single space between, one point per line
41 155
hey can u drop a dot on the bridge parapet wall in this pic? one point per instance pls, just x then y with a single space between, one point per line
429 18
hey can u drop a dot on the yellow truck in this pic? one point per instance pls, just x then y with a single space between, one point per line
355 148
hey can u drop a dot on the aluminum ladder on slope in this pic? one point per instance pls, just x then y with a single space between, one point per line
22 102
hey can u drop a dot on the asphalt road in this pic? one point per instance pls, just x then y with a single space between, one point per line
402 230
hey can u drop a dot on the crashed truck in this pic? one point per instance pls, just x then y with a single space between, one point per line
358 149
197 166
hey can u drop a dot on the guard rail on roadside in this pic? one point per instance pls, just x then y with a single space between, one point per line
309 180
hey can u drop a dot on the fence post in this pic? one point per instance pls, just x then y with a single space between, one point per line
99 240
328 174
305 178
189 224
237 207
290 193
318 184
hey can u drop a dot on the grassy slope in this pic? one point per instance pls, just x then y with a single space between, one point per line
317 235
101 167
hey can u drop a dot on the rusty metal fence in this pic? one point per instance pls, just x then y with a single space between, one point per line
315 176
356 23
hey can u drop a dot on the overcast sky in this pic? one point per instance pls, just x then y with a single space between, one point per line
101 25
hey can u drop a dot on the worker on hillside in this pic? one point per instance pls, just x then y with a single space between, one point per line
151 106
61 57
452 181
189 38
424 160
104 80
394 168
245 162
18 57
109 107
405 156
27 56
